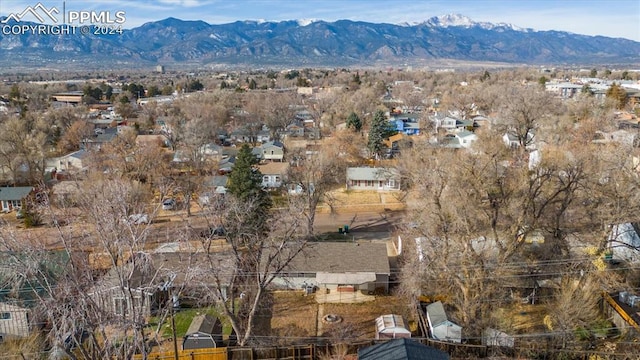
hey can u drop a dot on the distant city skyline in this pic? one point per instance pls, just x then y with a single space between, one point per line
614 18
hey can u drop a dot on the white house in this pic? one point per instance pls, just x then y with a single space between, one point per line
440 327
467 138
623 240
71 162
11 198
511 140
447 123
460 140
273 174
372 178
564 90
273 150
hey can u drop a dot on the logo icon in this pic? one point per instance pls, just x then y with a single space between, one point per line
38 11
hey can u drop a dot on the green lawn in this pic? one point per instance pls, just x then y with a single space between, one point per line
183 319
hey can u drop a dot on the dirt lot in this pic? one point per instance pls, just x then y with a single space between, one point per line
295 315
524 318
342 201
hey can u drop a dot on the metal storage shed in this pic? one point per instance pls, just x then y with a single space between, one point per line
204 332
440 327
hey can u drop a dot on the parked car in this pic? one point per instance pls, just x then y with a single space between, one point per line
212 231
169 204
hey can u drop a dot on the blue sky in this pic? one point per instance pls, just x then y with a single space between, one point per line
615 18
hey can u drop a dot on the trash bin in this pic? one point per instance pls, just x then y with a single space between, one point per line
346 229
340 230
309 289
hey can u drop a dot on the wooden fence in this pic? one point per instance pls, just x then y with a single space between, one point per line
196 354
303 352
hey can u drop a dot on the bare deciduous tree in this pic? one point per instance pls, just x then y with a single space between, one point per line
312 174
523 110
74 135
257 258
91 314
274 110
22 148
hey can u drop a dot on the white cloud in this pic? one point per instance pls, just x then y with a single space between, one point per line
183 3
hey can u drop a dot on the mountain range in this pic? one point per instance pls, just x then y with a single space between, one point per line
317 43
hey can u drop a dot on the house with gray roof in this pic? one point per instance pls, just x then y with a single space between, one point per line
372 178
97 141
339 266
251 133
12 198
458 140
218 183
401 349
71 162
143 283
226 165
467 138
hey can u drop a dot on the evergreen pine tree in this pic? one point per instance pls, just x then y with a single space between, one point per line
244 180
353 121
245 184
379 131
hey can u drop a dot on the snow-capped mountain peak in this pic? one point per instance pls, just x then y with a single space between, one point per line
451 20
457 20
305 22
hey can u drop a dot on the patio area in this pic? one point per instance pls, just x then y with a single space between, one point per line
339 297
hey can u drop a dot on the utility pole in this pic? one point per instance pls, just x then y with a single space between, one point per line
173 328
168 287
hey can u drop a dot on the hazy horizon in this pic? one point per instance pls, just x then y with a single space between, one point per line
618 18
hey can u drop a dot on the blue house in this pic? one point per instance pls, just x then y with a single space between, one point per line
405 124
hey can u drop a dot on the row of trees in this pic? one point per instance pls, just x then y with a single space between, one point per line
473 212
220 111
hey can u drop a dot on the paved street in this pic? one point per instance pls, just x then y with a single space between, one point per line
171 227
363 225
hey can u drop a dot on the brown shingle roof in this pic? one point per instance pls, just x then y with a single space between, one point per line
342 257
274 168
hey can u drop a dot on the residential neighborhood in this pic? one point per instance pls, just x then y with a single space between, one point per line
446 214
